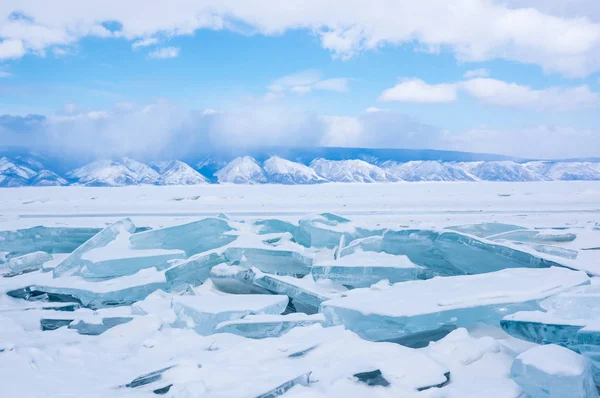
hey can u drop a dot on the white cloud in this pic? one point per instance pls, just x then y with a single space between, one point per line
301 89
148 41
11 49
305 82
165 130
339 85
5 74
165 52
541 142
373 109
512 95
476 73
474 30
417 91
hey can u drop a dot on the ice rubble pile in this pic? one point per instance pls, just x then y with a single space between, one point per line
324 307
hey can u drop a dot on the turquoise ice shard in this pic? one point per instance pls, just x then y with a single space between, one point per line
588 339
365 268
235 280
449 253
543 236
125 290
46 239
385 312
118 258
305 295
483 230
193 238
302 380
203 312
326 230
563 316
272 226
85 321
27 263
551 371
73 264
368 244
193 271
263 326
279 261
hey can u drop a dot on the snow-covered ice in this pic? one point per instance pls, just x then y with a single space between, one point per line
552 371
317 290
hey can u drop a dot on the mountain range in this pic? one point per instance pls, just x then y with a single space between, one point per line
30 170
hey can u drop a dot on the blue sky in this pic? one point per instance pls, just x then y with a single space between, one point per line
476 75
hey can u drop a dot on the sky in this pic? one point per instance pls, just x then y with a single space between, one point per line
163 79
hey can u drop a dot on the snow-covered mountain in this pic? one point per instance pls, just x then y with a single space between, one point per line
282 171
429 170
14 174
25 170
566 171
351 171
176 172
47 178
500 171
242 170
104 173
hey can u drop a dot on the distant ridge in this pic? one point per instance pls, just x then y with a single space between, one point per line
34 170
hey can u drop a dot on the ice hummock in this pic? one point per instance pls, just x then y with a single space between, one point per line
448 253
263 326
47 239
304 293
326 230
193 238
203 312
560 318
486 229
26 263
121 291
280 261
193 271
73 264
385 312
551 371
118 258
365 268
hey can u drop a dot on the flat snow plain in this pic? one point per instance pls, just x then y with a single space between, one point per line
62 363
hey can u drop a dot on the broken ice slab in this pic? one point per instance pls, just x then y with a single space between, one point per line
564 315
485 229
73 264
538 236
305 295
193 238
326 230
203 312
365 268
385 312
46 239
551 371
448 253
273 226
588 340
263 326
273 260
368 244
194 271
302 380
546 249
118 258
27 263
108 293
372 378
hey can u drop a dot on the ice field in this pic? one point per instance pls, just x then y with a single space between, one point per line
434 290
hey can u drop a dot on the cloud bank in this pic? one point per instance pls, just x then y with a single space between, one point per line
165 130
474 30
